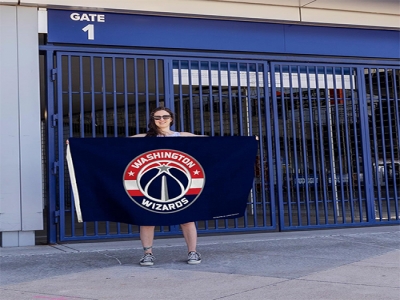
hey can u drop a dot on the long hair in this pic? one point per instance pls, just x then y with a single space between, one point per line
153 129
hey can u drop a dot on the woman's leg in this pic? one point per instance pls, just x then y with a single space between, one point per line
190 234
147 238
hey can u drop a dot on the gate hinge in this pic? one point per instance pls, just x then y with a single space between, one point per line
55 167
53 74
56 216
54 119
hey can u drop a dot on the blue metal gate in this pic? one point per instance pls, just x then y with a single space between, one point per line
228 98
336 132
329 133
103 95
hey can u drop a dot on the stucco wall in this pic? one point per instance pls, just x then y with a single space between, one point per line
353 13
21 211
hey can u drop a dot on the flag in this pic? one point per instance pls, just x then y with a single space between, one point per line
161 181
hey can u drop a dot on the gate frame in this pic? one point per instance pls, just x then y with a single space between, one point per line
50 51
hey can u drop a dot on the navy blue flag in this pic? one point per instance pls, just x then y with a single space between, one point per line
161 181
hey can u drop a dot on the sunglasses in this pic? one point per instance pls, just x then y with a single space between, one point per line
165 117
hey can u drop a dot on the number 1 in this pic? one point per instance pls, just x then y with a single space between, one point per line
90 30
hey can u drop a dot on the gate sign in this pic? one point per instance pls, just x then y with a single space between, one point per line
100 28
77 26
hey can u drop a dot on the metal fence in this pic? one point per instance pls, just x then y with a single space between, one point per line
329 133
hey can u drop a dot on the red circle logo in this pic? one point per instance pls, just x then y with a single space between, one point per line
164 181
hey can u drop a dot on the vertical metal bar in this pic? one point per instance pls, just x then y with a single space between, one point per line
382 132
288 174
126 107
249 115
353 73
104 92
71 134
114 79
314 165
146 86
156 82
348 143
136 93
239 101
190 97
304 149
331 145
201 100
232 131
60 142
105 125
396 102
169 85
261 138
396 113
240 114
339 148
375 148
182 124
221 117
82 129
51 148
294 138
92 93
275 171
269 142
81 99
392 149
253 194
229 111
366 147
389 111
211 104
321 144
249 112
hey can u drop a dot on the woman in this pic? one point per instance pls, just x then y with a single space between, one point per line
161 119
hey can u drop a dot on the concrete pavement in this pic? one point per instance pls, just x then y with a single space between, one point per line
353 263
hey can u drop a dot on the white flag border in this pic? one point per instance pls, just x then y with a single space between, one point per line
74 185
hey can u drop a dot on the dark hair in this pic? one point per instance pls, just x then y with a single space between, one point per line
153 129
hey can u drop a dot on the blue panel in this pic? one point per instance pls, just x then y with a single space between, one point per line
220 35
342 41
168 32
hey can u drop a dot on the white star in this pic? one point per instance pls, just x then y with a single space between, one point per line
131 173
196 172
164 169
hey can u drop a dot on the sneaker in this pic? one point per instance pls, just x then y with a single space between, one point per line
147 260
194 258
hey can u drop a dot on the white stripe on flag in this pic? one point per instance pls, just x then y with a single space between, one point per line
131 185
197 183
74 185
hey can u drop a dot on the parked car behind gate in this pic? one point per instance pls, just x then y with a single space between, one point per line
387 169
379 172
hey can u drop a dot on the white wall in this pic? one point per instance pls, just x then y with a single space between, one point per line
20 136
353 13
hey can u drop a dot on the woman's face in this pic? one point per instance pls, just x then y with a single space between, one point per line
162 119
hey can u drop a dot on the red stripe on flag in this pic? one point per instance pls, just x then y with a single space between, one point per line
135 193
193 191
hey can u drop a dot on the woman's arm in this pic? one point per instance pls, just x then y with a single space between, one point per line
190 134
139 135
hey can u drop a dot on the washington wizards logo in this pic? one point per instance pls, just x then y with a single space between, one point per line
164 181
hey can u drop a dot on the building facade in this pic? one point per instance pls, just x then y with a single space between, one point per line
317 81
